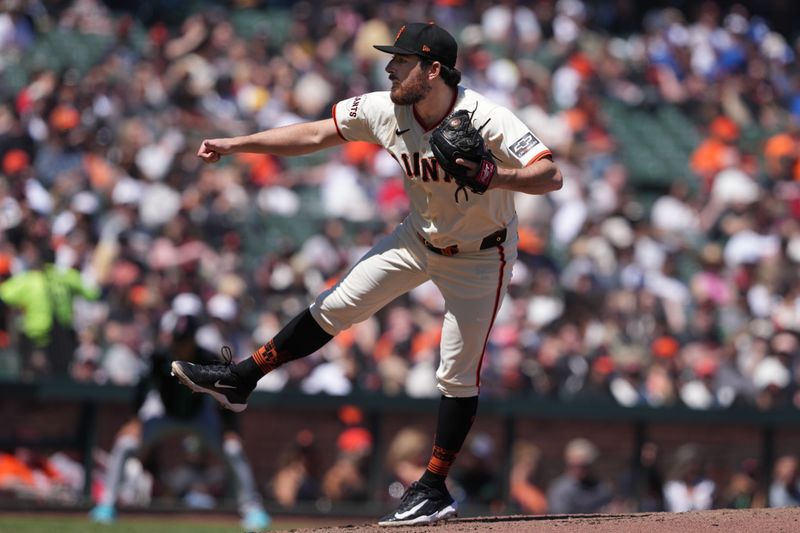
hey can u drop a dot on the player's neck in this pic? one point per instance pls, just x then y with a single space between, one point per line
435 106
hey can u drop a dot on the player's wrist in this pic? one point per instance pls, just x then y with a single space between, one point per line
487 170
240 143
501 178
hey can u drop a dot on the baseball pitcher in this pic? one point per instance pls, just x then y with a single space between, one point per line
464 157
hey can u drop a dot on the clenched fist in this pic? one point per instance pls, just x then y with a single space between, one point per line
212 149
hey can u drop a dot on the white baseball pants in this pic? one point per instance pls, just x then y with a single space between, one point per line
473 285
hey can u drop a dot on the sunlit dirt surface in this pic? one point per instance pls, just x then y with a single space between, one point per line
720 521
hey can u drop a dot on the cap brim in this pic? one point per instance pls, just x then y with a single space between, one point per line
394 50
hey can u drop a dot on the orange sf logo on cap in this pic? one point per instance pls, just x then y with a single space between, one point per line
425 48
399 33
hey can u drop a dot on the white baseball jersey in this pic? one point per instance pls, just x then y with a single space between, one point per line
474 280
435 214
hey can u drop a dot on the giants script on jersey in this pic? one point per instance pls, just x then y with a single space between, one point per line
426 168
354 106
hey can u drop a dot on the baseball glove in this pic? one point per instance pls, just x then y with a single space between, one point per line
456 137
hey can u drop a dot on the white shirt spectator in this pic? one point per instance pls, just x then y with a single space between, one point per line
679 498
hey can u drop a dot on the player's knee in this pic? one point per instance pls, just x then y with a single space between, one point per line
328 320
453 389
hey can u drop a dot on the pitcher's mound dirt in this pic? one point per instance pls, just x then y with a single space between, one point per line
719 521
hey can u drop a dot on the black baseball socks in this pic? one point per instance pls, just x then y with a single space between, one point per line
302 336
455 420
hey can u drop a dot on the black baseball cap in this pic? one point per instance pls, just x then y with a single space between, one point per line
424 40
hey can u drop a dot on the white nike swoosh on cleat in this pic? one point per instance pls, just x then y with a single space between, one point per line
221 386
221 398
410 511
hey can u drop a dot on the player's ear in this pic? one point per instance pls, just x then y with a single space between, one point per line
435 70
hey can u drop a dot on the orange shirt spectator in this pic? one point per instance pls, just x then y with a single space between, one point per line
717 152
781 156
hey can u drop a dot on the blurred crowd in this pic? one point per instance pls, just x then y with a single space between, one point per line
685 293
686 478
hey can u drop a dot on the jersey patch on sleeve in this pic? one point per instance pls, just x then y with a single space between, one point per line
524 144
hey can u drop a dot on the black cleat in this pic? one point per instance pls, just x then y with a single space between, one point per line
421 505
218 380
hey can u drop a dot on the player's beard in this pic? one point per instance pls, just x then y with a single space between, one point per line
411 91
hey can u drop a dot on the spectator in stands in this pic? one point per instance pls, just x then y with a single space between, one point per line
578 489
662 376
596 384
772 375
29 474
628 386
163 407
641 486
688 488
406 459
743 490
701 392
45 293
525 492
223 327
297 478
717 152
346 479
782 154
476 474
785 347
784 491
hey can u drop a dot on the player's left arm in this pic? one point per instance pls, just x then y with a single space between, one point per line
524 163
539 177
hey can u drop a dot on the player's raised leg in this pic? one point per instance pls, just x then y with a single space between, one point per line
231 384
387 271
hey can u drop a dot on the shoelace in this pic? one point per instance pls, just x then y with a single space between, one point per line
227 355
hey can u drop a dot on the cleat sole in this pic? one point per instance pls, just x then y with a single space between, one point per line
445 514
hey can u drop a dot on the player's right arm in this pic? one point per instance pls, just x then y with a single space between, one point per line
296 139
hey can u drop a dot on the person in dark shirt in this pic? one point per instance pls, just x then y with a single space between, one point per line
164 407
578 490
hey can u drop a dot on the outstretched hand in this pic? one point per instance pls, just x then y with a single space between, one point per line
211 150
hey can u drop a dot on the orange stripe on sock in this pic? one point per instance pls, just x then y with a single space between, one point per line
265 357
439 467
441 461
